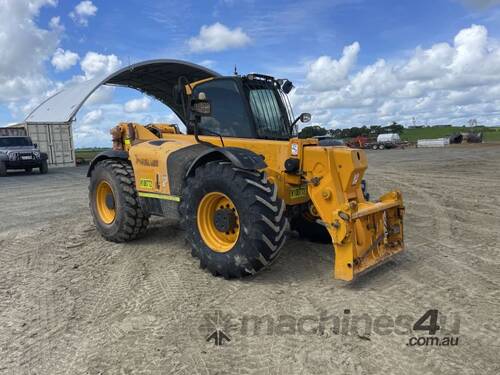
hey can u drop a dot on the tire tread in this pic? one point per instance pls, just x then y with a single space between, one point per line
135 222
265 237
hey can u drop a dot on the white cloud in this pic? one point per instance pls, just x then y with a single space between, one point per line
55 24
92 116
207 63
82 12
218 37
447 82
137 105
481 4
22 73
24 82
63 60
96 65
326 73
93 129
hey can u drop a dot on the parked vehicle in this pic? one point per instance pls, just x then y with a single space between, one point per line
358 142
56 140
380 145
388 138
21 153
384 141
327 140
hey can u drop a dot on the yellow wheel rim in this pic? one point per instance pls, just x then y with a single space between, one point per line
105 202
214 208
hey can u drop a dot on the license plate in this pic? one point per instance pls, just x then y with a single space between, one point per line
26 157
298 192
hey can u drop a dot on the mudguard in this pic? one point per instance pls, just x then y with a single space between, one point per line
183 162
109 154
239 157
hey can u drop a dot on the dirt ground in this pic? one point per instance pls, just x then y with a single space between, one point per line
71 303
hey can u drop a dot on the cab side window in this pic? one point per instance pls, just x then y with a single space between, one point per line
229 116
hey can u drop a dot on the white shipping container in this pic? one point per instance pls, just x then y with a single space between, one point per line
390 137
56 140
437 142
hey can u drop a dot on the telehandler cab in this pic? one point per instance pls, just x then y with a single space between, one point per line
239 179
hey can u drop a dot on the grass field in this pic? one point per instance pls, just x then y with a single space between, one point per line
490 134
85 155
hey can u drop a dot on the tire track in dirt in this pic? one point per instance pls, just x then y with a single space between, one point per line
444 269
102 296
138 307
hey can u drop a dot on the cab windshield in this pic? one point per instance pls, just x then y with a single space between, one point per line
15 141
270 110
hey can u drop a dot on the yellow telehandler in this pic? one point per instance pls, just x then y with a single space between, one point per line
240 179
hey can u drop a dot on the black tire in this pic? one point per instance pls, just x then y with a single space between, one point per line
130 220
364 189
381 147
310 230
3 169
374 147
261 213
28 170
44 168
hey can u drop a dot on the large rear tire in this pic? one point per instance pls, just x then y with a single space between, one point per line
233 219
114 202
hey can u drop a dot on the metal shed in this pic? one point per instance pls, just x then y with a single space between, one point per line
50 124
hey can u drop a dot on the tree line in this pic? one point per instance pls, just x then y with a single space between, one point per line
366 131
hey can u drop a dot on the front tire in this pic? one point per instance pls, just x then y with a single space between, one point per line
307 228
233 219
3 169
44 168
114 202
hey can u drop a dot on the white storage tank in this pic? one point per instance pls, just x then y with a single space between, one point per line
388 138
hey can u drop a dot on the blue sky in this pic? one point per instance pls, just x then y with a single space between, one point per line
354 62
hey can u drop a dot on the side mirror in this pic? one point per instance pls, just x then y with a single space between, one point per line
35 145
305 117
201 106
